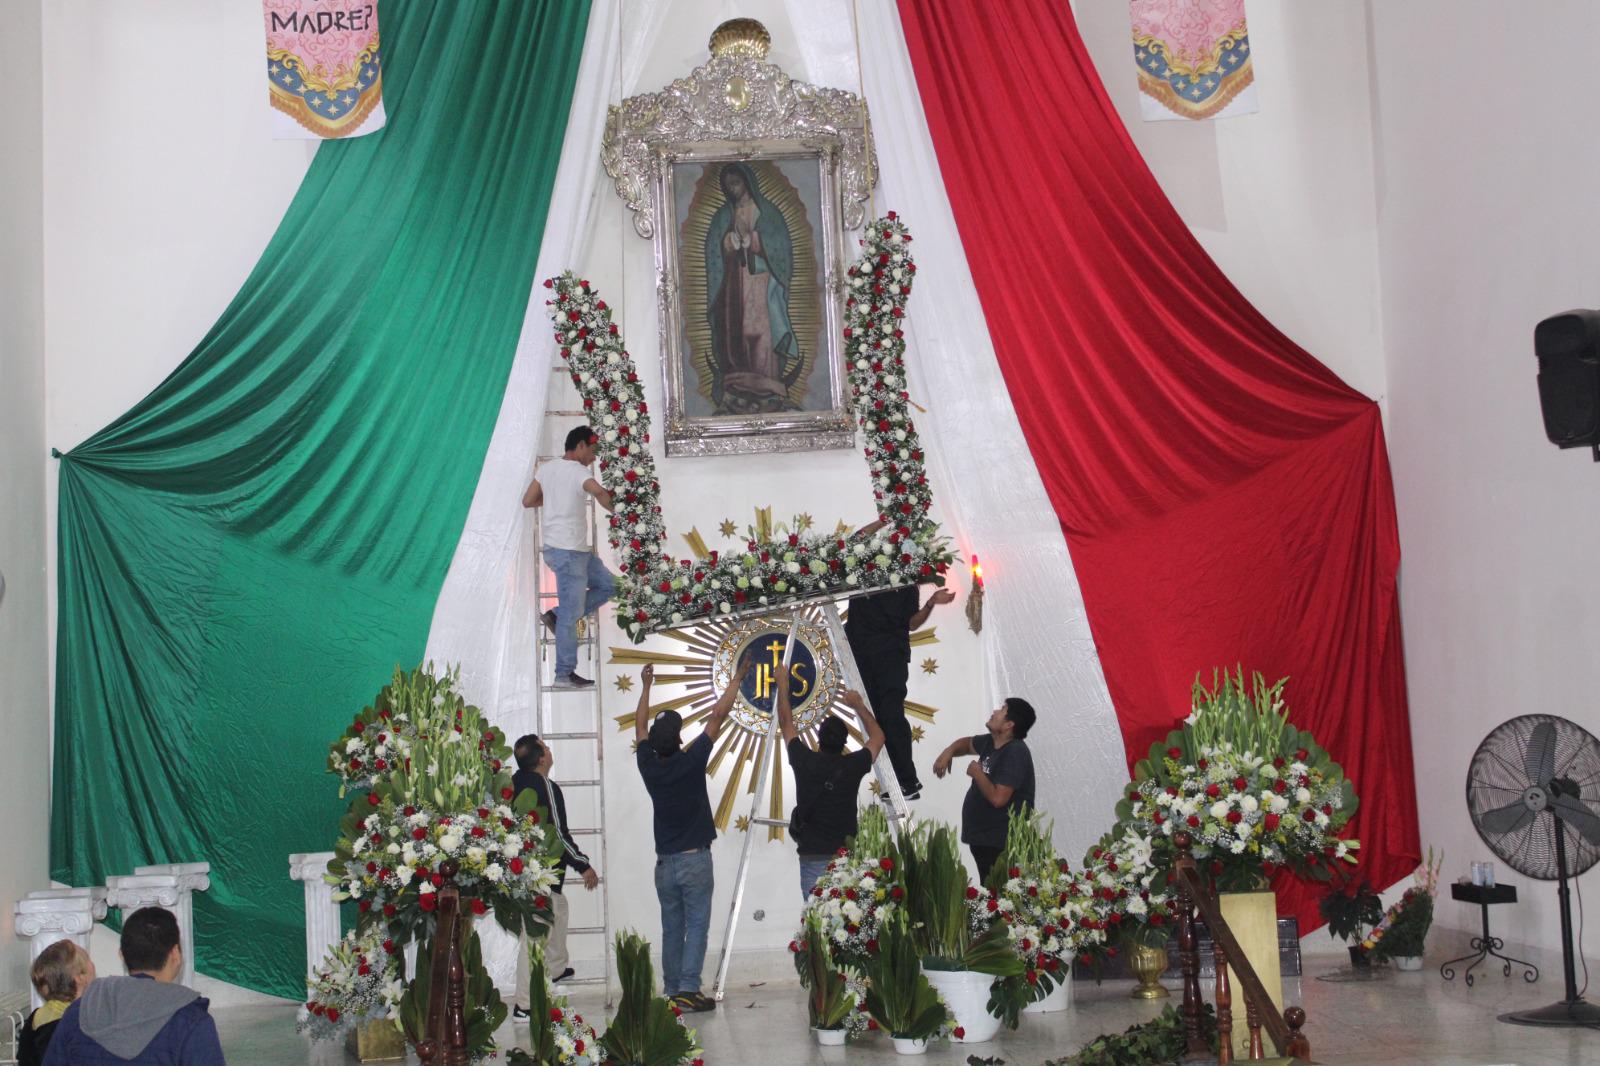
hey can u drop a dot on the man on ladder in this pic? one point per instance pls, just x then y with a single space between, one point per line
583 583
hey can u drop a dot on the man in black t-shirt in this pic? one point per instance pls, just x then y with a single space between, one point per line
826 782
879 630
1002 780
675 777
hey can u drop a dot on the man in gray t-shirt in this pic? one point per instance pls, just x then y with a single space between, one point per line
1002 780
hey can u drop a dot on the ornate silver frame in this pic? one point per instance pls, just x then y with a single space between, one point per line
738 107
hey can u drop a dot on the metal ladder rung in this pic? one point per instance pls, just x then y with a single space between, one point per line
586 930
784 822
585 783
579 981
570 736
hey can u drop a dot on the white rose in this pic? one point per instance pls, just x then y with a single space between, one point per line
1302 795
1219 809
1249 803
352 746
450 842
426 888
476 855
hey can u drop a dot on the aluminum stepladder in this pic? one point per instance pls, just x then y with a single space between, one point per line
899 812
575 719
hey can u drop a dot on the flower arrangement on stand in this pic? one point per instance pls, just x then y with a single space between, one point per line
358 982
655 592
1255 794
437 803
1401 933
647 1030
829 998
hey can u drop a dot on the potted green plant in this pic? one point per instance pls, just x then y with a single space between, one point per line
646 1030
899 997
1349 915
958 929
828 1001
1399 936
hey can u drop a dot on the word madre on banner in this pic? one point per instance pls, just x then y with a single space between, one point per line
324 68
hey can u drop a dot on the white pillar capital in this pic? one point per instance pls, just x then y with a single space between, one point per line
47 919
170 886
96 894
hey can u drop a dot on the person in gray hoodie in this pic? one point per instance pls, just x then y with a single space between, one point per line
144 1018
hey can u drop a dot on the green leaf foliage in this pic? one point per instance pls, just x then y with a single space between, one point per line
484 1010
644 1032
827 1001
899 997
1158 1040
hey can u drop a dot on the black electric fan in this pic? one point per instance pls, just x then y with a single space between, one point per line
1533 790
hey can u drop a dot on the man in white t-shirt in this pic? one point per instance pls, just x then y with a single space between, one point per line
583 583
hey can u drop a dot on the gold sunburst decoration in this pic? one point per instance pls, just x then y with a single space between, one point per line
706 665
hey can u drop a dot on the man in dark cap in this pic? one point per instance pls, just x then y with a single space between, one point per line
675 777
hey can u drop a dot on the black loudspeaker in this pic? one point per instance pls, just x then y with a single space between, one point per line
1568 347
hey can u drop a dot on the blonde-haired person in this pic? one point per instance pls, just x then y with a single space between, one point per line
60 974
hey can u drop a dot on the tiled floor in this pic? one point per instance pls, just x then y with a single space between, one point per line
1412 1018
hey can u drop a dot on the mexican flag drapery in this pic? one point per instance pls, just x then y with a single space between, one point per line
327 484
245 551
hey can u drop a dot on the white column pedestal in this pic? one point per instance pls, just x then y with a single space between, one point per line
47 917
322 912
171 887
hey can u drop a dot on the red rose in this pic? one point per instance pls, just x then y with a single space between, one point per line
897 893
359 728
872 947
1302 754
372 798
516 866
972 893
1271 822
885 864
959 1033
479 907
1194 821
364 906
333 1014
1309 815
1014 872
1213 790
507 793
1174 753
388 910
1234 817
418 833
428 902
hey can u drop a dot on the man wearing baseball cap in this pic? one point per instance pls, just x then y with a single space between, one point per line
583 584
675 777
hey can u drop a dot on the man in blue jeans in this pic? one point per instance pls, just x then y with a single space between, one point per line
583 583
675 777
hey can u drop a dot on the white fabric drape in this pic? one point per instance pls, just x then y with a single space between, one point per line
1036 633
486 614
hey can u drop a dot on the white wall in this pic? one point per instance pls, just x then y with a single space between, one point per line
24 709
1281 199
1488 223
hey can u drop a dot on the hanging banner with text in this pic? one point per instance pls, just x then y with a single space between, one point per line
1193 58
324 67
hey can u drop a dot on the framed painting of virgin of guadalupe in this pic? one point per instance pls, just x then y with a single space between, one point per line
750 311
748 182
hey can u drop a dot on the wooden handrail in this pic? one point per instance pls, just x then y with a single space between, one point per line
1284 1029
444 1042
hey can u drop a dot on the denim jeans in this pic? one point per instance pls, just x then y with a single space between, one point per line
583 584
683 886
811 868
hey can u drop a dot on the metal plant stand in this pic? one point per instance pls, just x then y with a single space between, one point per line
1486 945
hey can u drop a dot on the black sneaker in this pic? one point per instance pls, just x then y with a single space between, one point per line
549 619
578 682
914 793
520 1013
562 976
694 1002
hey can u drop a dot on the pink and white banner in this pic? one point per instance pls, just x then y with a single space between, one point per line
324 68
1193 58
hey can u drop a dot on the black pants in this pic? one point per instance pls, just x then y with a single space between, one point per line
884 678
985 857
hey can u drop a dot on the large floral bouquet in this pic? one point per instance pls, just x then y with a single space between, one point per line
380 739
1050 911
358 981
1253 793
446 800
1129 894
557 1034
659 593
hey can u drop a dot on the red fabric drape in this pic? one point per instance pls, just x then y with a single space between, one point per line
1225 496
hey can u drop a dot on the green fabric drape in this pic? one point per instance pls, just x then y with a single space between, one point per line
246 554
